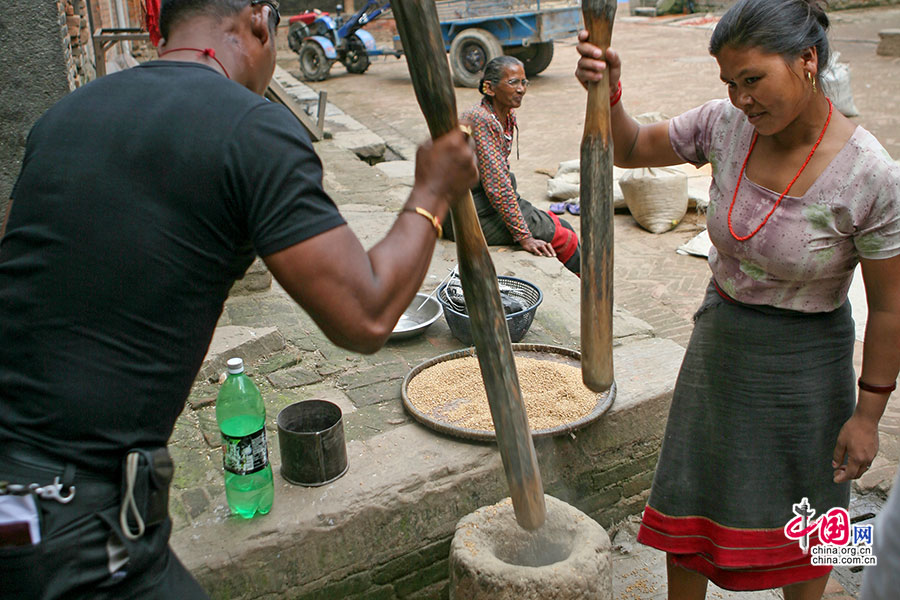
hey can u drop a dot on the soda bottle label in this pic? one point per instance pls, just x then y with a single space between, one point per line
246 454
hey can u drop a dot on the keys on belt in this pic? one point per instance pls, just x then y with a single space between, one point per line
47 492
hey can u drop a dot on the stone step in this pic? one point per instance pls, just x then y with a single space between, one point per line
387 523
889 44
248 343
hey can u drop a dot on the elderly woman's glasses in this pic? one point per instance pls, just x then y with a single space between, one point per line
273 4
514 83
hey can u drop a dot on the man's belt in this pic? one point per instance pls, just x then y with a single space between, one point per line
143 492
49 478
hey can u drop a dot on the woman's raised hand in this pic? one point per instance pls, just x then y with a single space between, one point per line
592 63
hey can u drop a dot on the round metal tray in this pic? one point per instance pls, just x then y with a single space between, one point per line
537 351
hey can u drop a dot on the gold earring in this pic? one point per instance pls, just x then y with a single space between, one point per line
812 80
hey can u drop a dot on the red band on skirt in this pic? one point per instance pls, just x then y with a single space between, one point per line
735 559
564 241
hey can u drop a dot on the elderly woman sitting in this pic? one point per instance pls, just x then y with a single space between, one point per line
506 218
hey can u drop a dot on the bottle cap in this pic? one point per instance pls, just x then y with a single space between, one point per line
235 365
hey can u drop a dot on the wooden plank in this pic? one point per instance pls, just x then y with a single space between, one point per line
277 93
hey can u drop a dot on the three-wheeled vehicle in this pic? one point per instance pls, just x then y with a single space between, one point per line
320 40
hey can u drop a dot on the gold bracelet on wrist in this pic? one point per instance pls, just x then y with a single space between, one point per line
435 222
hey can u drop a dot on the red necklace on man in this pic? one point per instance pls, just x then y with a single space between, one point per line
205 52
744 238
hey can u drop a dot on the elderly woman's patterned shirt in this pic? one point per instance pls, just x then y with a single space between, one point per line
493 144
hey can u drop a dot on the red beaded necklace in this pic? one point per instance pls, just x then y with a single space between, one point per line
786 190
205 52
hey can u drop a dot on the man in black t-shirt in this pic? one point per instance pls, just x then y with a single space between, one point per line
142 197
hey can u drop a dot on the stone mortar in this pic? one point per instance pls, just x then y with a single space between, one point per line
493 558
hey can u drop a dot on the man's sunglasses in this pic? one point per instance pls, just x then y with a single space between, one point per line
273 4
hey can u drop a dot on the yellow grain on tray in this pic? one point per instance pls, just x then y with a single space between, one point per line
452 392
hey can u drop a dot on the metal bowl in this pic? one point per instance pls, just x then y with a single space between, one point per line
416 320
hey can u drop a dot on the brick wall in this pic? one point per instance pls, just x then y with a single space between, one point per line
134 13
79 52
76 34
293 7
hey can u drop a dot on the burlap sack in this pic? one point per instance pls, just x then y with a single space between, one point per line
656 197
566 185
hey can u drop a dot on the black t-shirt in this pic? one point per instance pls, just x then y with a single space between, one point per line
142 197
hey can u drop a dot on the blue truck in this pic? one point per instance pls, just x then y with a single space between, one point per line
474 32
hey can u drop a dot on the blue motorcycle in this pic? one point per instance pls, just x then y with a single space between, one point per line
320 40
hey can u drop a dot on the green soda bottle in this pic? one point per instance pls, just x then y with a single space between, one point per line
241 416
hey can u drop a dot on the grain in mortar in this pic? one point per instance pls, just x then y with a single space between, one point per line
453 392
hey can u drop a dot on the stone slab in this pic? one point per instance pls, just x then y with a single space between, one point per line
341 121
404 170
364 144
349 133
248 343
298 90
294 377
408 486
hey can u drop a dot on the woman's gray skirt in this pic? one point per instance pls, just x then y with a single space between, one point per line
760 399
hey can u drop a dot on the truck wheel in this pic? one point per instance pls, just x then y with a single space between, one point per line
313 63
535 57
296 34
470 52
356 59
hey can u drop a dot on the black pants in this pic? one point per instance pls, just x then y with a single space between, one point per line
73 558
496 233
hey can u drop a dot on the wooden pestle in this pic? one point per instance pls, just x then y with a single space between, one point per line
419 28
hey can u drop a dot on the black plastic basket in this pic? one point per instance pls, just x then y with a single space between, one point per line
511 289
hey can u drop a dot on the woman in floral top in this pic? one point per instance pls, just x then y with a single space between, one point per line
766 421
505 217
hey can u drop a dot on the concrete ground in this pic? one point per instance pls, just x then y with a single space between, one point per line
400 463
